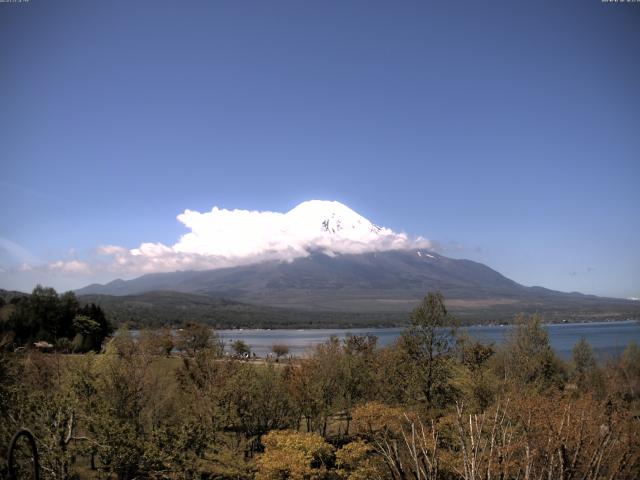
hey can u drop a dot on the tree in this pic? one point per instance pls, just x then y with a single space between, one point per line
408 447
583 363
478 384
96 313
125 417
194 337
306 391
87 333
626 373
316 383
280 349
47 315
529 358
258 399
354 367
157 342
240 348
359 460
68 308
427 343
294 455
360 344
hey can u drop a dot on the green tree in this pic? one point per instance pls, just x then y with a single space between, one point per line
529 358
158 342
126 419
96 313
478 383
87 333
38 316
259 401
427 343
45 315
583 363
194 337
354 366
241 348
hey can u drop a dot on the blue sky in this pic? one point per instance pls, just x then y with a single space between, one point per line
507 132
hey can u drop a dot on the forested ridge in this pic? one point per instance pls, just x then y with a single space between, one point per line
422 408
157 309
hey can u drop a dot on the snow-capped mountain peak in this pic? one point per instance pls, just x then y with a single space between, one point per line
330 217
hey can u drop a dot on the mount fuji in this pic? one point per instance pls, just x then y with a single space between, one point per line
324 257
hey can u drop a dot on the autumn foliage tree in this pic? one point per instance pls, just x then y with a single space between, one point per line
541 437
296 456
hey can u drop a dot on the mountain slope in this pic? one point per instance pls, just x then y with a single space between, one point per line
398 271
381 282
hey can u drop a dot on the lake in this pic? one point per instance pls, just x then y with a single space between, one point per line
607 338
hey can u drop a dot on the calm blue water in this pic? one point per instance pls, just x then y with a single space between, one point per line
607 338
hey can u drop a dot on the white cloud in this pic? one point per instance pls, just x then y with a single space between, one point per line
110 250
223 238
73 267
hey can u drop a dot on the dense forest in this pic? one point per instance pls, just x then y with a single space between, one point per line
422 408
53 320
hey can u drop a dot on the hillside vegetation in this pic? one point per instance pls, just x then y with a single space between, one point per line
422 408
153 309
57 321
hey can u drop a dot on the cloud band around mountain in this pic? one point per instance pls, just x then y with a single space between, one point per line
224 238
